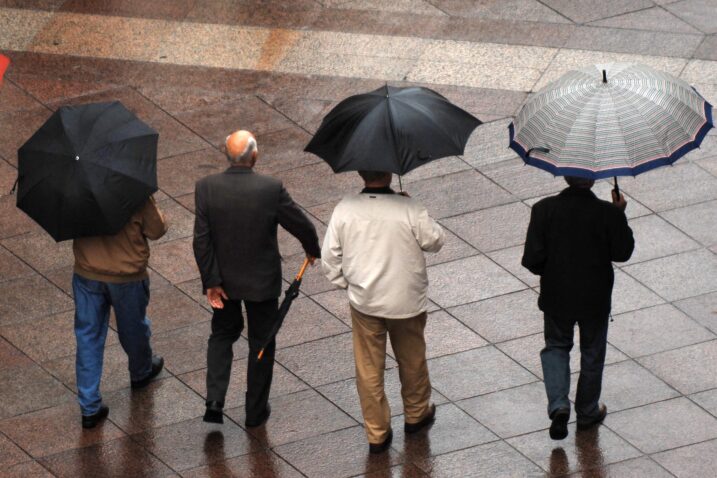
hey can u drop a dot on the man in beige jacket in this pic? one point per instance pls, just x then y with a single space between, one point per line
111 271
374 248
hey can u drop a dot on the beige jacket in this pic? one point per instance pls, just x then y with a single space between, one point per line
374 247
124 256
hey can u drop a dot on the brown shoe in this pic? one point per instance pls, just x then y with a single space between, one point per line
425 421
587 423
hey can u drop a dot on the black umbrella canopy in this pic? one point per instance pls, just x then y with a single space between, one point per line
87 170
392 129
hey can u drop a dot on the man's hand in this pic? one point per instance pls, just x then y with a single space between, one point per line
215 296
619 201
311 259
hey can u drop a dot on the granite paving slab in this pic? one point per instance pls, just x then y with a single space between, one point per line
663 425
682 368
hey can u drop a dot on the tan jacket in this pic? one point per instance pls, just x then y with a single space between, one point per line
374 247
124 256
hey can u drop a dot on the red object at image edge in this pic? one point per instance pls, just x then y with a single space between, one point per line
4 63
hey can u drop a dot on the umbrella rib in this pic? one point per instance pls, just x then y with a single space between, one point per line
527 118
567 136
649 126
116 142
438 125
687 133
393 132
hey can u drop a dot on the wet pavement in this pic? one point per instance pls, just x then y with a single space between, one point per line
196 70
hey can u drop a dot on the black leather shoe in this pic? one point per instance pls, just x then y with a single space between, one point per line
559 427
587 423
90 421
261 419
381 447
214 412
426 421
157 366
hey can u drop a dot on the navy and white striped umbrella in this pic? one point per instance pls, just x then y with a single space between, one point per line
616 119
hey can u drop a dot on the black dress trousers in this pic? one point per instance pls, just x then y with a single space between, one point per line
227 325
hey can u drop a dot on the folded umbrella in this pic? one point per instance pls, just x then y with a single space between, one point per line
616 119
87 170
291 293
393 130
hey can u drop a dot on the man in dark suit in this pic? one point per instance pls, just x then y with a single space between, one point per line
572 240
236 249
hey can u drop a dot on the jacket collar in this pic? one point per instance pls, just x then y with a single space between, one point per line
383 190
238 170
574 191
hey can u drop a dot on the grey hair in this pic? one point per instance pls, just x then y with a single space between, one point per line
246 155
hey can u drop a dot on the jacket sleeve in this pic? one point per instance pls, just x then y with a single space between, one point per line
154 225
622 242
332 254
428 232
297 224
203 246
535 251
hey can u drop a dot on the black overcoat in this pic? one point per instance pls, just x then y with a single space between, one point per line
235 228
572 240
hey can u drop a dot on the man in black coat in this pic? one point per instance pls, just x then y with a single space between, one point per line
236 249
572 240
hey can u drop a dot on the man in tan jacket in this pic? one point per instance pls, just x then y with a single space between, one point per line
112 271
374 248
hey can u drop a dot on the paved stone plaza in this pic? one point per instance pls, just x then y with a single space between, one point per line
196 70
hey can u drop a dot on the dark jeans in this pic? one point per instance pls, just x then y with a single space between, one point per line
92 313
555 358
227 325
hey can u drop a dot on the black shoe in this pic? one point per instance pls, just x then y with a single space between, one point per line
261 419
90 421
157 366
559 427
587 423
214 412
427 420
381 447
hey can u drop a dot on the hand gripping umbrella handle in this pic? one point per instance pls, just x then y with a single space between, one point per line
298 278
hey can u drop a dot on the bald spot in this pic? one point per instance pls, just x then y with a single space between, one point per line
237 142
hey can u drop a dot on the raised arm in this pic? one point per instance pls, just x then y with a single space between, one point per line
428 232
154 225
622 242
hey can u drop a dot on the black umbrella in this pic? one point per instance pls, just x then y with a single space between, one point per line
291 293
87 170
392 129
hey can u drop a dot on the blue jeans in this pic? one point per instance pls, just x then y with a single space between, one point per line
92 313
555 358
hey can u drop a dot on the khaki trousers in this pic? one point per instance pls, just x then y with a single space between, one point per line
409 346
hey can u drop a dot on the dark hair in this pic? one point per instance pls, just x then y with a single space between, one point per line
579 182
373 176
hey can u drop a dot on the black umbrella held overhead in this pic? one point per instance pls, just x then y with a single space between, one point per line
393 130
291 293
87 170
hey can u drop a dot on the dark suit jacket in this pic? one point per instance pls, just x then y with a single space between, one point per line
572 240
235 243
